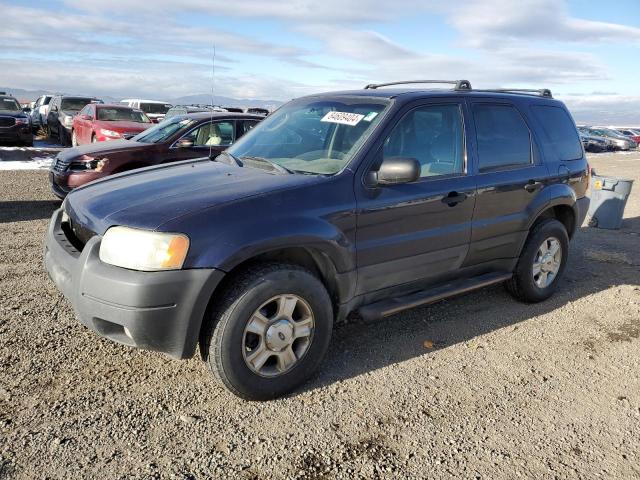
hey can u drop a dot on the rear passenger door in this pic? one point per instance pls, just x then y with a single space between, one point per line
420 231
509 173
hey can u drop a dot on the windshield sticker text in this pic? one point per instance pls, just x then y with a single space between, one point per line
344 118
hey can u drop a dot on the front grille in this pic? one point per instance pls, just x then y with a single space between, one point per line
77 234
7 121
60 165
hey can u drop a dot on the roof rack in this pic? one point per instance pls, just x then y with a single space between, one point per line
542 92
459 84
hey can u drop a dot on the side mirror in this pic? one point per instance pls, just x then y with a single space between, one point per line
184 143
397 170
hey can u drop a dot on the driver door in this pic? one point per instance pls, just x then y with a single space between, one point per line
209 137
419 231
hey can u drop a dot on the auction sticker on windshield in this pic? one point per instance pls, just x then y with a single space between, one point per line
344 118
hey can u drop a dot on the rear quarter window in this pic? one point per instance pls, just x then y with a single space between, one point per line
559 131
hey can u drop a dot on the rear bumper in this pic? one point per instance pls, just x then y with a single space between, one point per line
582 207
159 311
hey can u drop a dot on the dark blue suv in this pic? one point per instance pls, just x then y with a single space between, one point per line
370 201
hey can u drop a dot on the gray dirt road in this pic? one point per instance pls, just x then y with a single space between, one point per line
478 386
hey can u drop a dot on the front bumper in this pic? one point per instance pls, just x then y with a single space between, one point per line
63 182
159 311
18 133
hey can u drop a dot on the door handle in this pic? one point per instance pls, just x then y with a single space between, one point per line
533 185
454 198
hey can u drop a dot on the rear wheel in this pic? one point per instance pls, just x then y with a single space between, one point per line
62 136
269 331
93 138
542 262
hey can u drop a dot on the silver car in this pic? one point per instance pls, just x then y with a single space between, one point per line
620 142
40 111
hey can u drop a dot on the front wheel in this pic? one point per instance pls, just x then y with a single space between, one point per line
269 331
542 262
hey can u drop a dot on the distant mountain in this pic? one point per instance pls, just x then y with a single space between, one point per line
204 98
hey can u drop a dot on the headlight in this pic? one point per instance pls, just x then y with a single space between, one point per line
86 162
143 250
68 121
109 133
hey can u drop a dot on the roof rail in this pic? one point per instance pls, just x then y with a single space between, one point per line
542 92
459 84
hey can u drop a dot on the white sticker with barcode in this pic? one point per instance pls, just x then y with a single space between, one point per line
344 118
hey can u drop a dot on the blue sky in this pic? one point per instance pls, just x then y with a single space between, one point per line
585 51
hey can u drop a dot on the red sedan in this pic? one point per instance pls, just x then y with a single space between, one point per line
99 123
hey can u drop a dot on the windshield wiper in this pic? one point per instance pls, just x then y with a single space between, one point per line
276 166
236 161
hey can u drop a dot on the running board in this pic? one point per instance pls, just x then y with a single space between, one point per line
391 306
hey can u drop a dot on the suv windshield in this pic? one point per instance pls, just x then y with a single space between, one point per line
163 131
9 104
154 108
74 103
119 114
311 135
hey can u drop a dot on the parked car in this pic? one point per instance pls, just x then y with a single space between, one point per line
258 111
62 109
627 132
620 142
185 109
100 123
154 109
40 111
15 123
594 143
180 138
369 201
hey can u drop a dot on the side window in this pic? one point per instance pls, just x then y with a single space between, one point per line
434 136
85 111
502 136
244 126
212 134
560 131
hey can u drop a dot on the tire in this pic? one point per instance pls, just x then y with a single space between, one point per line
225 338
49 134
62 136
93 138
74 139
524 284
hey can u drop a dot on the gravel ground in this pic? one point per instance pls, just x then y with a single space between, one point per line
480 386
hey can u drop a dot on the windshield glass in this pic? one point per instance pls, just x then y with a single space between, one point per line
119 114
163 131
313 135
74 103
156 108
9 104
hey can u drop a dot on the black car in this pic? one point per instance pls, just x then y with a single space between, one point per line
370 201
62 109
15 123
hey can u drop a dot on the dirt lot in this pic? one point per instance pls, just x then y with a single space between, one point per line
476 387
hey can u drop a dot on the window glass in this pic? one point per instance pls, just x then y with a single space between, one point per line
212 134
154 108
434 136
311 135
121 114
245 125
74 104
9 104
164 131
560 131
502 136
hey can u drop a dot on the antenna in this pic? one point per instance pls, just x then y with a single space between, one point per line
213 79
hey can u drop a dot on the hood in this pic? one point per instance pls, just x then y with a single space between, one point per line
101 148
148 197
13 113
122 126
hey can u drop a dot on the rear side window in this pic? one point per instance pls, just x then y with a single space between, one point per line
560 131
502 136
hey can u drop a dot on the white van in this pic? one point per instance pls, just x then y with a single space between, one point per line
154 109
